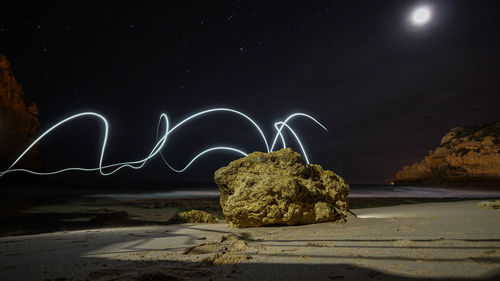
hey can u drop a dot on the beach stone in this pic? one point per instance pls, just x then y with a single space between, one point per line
193 216
279 188
490 204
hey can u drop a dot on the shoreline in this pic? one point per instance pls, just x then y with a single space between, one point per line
78 214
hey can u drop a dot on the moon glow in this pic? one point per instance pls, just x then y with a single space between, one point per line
421 15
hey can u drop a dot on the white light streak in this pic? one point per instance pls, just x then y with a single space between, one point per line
290 118
110 169
294 135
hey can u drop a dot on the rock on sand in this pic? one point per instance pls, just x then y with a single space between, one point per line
279 188
193 216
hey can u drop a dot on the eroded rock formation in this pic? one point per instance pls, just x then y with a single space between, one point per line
466 156
18 121
279 188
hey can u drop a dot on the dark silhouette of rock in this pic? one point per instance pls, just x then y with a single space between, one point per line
18 122
114 218
466 156
279 188
158 276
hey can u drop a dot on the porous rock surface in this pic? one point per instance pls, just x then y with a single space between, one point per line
193 216
466 156
490 204
18 121
279 188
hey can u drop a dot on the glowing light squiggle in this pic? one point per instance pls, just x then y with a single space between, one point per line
283 124
294 135
157 148
220 148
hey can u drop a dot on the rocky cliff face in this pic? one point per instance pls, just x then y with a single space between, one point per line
18 121
466 156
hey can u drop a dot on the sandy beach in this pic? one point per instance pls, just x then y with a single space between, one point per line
436 241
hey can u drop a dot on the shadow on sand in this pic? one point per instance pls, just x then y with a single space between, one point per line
74 258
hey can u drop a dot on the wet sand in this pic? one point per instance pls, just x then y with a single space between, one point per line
436 241
72 214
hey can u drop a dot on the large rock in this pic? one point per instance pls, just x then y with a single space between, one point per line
466 156
18 122
279 188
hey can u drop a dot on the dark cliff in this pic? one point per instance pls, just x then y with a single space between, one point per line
18 122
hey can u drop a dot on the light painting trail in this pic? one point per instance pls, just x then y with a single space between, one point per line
110 169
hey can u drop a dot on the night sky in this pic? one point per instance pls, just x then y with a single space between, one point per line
386 90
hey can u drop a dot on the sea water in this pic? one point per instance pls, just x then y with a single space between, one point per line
357 191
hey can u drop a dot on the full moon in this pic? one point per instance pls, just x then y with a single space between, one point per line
421 16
